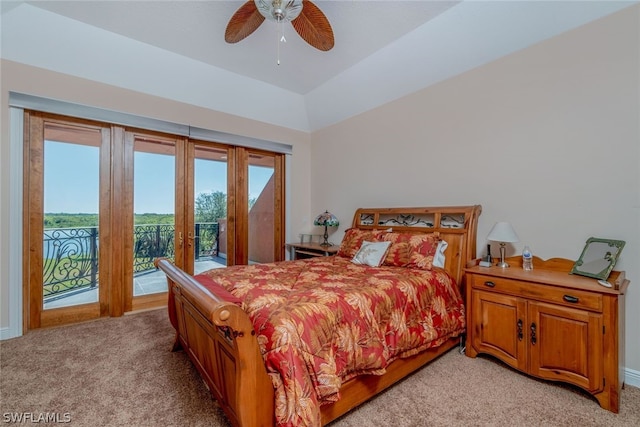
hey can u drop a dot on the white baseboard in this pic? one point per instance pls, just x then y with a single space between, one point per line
6 333
632 377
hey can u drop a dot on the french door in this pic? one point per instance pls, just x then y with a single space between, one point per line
249 217
210 190
264 204
103 201
66 252
153 181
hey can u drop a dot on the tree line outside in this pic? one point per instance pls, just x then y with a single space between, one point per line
79 270
209 207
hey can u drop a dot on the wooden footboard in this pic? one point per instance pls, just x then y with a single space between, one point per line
219 339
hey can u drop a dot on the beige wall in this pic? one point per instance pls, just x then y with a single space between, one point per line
547 138
34 81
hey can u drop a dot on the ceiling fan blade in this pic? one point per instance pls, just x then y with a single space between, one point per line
314 27
245 21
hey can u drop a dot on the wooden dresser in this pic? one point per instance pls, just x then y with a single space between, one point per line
550 324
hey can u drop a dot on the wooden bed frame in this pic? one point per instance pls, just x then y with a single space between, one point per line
219 338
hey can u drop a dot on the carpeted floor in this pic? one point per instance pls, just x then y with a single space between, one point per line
120 372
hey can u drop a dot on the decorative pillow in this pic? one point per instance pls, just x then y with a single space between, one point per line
439 258
398 255
217 289
411 249
371 253
353 238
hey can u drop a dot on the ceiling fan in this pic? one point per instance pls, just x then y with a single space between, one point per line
307 19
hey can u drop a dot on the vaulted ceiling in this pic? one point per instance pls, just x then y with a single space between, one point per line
383 50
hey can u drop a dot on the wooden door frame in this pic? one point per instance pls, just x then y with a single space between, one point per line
240 207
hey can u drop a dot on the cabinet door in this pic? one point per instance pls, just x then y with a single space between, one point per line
566 345
499 327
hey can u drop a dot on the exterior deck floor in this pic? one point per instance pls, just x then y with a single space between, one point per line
144 284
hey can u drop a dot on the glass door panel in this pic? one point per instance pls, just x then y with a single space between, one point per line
71 175
154 182
209 233
261 192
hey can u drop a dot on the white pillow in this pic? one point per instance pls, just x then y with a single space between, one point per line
438 258
371 253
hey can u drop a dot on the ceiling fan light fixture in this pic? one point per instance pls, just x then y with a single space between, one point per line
279 10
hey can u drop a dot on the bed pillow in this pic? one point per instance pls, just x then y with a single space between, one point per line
217 289
371 253
410 249
439 257
353 238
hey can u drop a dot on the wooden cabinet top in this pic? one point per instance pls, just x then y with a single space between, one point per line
554 271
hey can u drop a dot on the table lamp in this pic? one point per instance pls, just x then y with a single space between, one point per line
326 219
502 232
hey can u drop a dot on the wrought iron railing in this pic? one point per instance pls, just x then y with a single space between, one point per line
206 239
70 262
149 243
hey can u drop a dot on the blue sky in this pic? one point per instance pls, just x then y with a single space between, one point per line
73 187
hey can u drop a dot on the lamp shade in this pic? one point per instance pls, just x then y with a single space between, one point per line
279 10
326 219
503 232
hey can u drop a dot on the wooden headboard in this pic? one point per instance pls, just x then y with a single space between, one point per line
456 225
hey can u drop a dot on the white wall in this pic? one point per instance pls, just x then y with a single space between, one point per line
35 81
547 138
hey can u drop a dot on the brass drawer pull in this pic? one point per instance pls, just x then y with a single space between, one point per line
490 284
569 298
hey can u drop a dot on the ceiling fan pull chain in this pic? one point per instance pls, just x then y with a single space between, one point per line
278 30
281 38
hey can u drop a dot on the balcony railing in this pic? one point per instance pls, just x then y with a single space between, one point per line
150 242
70 262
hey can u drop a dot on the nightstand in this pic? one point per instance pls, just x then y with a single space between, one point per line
308 250
550 324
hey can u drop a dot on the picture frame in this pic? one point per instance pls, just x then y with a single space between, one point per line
598 258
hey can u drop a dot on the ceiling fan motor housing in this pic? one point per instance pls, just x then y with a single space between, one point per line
279 10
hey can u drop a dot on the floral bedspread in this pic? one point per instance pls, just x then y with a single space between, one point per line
321 321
